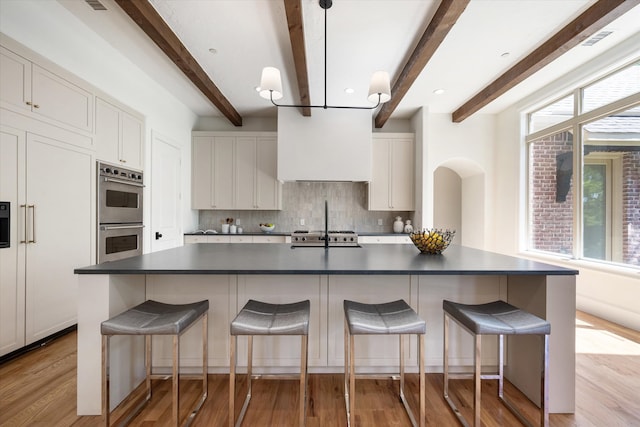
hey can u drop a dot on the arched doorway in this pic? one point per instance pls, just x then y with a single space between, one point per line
459 200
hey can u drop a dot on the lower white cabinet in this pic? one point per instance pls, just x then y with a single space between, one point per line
51 232
400 238
235 238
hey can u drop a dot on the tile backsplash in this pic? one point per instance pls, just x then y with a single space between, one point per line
305 201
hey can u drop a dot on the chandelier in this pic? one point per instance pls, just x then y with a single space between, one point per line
271 82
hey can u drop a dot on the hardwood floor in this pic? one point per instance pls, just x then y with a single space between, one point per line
39 389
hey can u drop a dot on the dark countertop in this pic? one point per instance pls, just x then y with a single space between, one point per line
288 233
229 258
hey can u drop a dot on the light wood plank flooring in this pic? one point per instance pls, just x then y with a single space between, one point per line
39 389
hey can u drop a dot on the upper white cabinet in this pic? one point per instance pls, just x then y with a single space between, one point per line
235 172
119 135
393 173
32 89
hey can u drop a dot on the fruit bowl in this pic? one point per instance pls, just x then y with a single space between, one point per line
432 240
267 228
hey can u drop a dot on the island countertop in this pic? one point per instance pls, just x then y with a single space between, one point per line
283 259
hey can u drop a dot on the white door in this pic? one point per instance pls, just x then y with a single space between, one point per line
166 200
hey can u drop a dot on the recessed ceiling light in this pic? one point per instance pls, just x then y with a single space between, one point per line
212 51
349 90
258 88
438 91
505 55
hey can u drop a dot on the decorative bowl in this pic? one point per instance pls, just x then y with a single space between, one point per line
432 240
267 228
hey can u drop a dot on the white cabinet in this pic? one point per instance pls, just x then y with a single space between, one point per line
30 88
393 173
400 238
235 172
233 238
119 135
51 235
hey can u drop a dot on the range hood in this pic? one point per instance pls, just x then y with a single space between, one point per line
331 145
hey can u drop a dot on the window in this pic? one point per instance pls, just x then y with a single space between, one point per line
584 173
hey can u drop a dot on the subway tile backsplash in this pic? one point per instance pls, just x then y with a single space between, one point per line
305 200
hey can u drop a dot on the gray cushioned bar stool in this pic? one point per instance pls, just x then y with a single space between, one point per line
495 318
261 318
156 318
392 318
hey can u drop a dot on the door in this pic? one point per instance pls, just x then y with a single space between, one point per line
59 226
12 258
166 214
245 178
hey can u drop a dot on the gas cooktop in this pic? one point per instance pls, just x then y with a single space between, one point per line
337 238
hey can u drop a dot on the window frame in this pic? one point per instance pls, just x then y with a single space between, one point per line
573 124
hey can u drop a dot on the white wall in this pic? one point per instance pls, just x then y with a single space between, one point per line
50 30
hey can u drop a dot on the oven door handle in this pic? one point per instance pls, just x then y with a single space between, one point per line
122 181
119 227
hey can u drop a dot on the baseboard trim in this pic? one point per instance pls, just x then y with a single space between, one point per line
40 343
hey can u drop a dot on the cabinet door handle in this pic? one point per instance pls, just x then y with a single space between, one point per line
33 223
29 103
123 161
36 106
25 224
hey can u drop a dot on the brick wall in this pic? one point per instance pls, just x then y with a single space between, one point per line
551 221
631 208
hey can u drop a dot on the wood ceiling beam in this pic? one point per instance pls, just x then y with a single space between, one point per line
589 22
293 9
143 14
445 17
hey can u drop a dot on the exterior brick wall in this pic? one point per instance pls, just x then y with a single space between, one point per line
551 221
631 208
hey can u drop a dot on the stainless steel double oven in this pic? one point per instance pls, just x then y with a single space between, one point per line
119 212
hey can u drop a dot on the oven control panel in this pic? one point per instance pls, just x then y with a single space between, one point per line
107 170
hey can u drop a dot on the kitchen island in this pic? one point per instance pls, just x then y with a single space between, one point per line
228 275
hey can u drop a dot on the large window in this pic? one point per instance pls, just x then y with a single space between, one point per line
584 172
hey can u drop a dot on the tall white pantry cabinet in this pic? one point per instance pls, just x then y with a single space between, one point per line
51 135
50 235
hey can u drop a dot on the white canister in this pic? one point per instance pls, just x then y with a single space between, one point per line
398 225
233 229
225 228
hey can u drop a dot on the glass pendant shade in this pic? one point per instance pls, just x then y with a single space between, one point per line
379 85
271 83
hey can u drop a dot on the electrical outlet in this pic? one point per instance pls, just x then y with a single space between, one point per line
238 221
379 221
301 221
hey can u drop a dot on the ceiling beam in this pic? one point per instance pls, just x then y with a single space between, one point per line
589 22
445 17
293 9
143 14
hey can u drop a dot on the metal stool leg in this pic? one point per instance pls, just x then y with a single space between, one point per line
105 380
175 389
303 379
477 385
423 393
352 377
346 372
232 379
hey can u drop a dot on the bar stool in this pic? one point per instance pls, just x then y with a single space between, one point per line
261 318
155 318
495 318
392 318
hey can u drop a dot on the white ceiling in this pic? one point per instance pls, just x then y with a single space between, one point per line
363 36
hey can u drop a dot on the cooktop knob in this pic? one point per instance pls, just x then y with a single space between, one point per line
107 170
